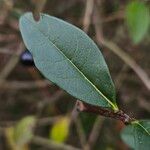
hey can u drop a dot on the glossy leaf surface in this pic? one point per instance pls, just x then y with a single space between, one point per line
69 58
137 135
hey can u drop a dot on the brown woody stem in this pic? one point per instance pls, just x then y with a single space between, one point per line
119 115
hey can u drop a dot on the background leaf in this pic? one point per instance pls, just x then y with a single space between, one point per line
69 58
137 135
23 130
138 19
20 135
60 130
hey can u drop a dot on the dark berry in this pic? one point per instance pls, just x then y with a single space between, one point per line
26 58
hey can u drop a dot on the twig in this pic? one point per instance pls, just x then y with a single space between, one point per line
19 85
7 51
97 24
48 120
39 6
99 120
80 132
94 133
74 118
88 14
119 115
51 144
114 16
7 37
10 65
7 6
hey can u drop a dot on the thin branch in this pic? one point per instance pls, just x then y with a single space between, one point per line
48 120
114 16
88 14
7 6
99 120
119 115
7 51
94 133
21 85
80 131
10 65
52 144
7 37
39 6
97 23
74 118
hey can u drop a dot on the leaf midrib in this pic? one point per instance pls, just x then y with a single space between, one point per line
59 50
138 123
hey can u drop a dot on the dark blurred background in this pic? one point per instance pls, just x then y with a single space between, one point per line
37 115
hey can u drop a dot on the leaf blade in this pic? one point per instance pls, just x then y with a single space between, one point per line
137 19
137 135
65 58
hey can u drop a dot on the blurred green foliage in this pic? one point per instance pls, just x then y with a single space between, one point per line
60 130
21 134
137 135
138 20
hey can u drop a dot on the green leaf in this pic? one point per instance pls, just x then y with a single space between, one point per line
137 135
138 19
69 58
23 130
60 130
